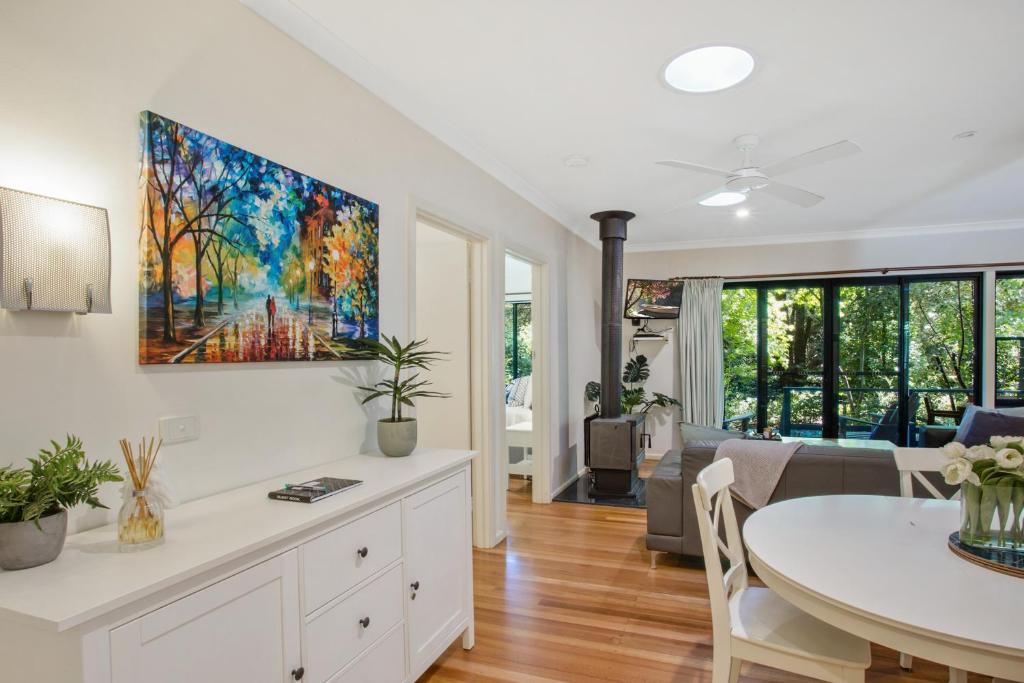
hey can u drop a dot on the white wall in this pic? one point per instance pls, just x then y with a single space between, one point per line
442 316
970 247
75 76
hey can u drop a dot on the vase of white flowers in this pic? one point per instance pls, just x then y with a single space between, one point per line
991 479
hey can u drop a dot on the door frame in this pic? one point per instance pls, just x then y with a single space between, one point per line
480 382
540 313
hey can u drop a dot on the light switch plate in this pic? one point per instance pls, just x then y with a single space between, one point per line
178 429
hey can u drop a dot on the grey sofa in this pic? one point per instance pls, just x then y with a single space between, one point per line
813 471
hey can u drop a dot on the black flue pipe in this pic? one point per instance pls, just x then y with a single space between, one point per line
613 235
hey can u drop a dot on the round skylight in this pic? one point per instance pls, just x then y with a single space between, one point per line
724 199
708 69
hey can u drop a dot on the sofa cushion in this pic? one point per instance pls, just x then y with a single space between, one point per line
695 432
984 425
972 411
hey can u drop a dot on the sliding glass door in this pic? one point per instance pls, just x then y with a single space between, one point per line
795 355
1010 339
873 358
868 361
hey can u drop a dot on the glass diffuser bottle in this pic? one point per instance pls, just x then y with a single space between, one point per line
140 522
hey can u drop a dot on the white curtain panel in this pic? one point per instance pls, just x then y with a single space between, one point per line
700 352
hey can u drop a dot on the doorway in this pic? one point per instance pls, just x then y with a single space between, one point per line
518 384
444 317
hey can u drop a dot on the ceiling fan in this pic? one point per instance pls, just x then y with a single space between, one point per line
749 178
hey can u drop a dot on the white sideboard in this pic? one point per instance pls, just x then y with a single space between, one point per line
368 586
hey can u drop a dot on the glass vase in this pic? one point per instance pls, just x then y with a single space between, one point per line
992 515
140 523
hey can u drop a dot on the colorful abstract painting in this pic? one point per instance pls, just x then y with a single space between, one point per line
244 260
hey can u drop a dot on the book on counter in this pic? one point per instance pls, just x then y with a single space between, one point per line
313 490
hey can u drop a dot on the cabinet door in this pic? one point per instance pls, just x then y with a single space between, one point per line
437 547
244 628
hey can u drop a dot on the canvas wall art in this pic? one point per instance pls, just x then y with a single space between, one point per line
246 260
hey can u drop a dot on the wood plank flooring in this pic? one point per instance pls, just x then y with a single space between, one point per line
569 596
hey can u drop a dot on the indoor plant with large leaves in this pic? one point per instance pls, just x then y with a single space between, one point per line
34 502
634 375
396 435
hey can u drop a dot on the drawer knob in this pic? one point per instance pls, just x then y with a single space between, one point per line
364 622
297 674
363 552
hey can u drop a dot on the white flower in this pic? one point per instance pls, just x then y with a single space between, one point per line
1009 458
954 450
1000 442
976 453
958 471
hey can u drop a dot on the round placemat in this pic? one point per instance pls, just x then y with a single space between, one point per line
997 559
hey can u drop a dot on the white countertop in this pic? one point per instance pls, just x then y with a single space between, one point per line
887 558
91 578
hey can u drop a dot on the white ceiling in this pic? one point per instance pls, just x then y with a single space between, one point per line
517 87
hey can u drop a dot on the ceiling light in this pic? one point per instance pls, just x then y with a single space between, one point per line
575 160
724 199
708 69
742 213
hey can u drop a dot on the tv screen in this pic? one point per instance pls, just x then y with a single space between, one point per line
652 299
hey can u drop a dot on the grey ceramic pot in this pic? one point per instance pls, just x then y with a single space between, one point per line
396 439
24 545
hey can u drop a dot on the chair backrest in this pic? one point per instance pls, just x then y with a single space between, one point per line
714 506
911 462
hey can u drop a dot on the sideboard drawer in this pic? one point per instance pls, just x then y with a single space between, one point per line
382 663
338 560
342 631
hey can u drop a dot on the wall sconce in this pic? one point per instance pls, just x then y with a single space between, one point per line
54 254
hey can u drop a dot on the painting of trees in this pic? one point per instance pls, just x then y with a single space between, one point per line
218 219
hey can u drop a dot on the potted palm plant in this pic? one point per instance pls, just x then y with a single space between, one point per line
396 435
34 502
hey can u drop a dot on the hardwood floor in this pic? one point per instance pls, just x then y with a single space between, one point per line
569 596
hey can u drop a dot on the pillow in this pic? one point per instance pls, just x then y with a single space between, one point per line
696 432
518 395
986 424
973 410
528 396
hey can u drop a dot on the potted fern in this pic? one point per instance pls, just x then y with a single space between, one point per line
34 502
396 435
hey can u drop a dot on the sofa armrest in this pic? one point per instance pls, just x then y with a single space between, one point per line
936 437
696 456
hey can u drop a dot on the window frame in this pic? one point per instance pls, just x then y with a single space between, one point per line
830 337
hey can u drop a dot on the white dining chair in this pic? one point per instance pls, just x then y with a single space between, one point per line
754 624
912 464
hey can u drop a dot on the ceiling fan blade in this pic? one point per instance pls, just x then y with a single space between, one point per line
837 150
791 194
687 166
697 200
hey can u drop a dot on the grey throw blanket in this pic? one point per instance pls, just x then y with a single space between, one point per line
758 466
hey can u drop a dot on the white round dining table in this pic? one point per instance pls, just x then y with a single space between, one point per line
879 567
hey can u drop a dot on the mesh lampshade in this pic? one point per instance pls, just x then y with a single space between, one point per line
54 254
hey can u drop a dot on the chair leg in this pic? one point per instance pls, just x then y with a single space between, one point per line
906 661
724 669
957 675
734 670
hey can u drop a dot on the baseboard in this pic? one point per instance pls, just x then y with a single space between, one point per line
569 482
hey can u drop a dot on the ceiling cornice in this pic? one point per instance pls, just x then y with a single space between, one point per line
832 236
307 31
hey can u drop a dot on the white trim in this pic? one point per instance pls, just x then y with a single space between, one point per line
568 482
307 31
831 236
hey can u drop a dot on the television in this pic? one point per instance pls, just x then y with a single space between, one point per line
653 299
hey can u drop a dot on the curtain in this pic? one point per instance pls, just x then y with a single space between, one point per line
700 352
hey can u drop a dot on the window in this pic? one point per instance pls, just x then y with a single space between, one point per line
868 358
1010 338
518 340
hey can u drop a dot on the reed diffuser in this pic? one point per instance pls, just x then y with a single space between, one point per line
140 523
